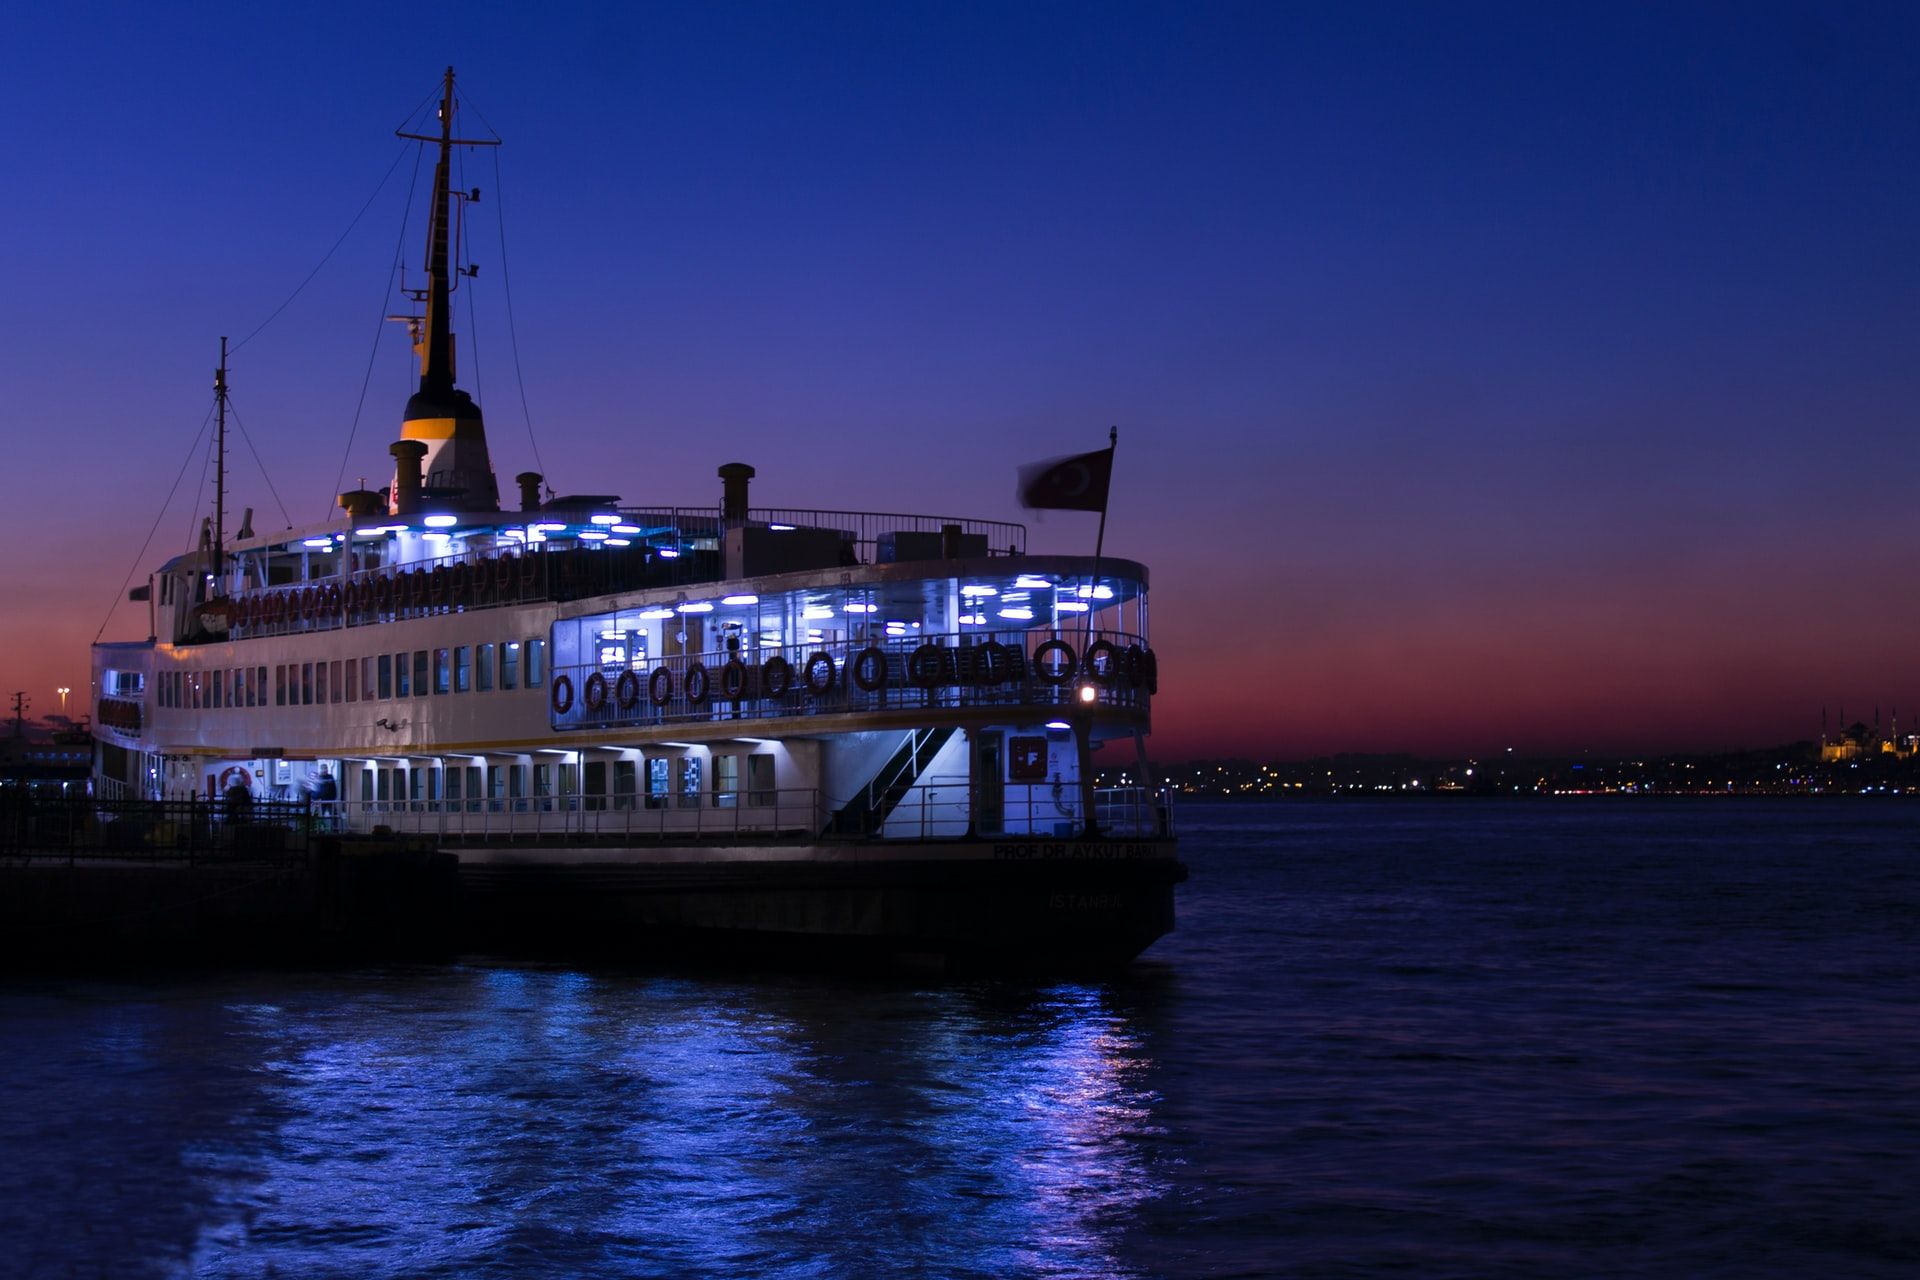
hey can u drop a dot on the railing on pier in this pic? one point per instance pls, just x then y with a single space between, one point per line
193 832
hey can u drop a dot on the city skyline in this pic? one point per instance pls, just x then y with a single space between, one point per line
1504 379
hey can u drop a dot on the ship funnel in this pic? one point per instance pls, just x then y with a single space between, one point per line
246 525
733 493
407 457
529 482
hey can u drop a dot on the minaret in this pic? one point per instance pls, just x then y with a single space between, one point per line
440 416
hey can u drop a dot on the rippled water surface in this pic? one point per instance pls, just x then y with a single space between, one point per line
1432 1040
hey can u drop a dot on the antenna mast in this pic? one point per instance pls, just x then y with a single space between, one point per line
220 474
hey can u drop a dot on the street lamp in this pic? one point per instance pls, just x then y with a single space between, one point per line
63 691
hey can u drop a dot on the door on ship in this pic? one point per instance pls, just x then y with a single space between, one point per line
989 786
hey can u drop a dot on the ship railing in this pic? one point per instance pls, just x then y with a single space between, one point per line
191 832
760 814
1020 670
868 531
954 807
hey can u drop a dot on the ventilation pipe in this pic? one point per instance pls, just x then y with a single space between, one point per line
733 494
529 482
407 457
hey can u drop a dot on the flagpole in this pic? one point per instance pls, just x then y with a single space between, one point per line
1085 725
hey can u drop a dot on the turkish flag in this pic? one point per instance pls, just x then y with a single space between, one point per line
1078 483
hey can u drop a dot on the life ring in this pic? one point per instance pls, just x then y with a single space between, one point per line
595 691
626 690
437 583
869 669
776 677
503 571
1153 671
457 582
925 666
527 569
1055 673
1134 665
1102 661
383 591
333 599
733 680
562 695
235 776
276 607
819 673
309 603
697 684
660 687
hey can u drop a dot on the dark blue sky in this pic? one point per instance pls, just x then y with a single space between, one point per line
1484 374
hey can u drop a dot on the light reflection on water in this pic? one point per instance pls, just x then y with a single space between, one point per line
502 1121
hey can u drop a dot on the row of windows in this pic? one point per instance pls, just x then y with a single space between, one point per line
670 781
479 668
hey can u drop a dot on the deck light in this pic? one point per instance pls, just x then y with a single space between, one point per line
436 537
1058 724
862 608
697 606
441 522
371 531
739 599
592 535
603 519
816 611
619 542
656 614
781 528
975 589
1071 606
1088 693
1096 593
973 619
1018 615
669 553
1030 582
626 528
316 542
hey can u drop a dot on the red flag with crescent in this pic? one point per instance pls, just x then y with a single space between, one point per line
1078 483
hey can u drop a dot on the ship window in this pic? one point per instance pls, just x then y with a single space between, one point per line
473 788
543 785
386 783
453 788
366 786
462 668
418 782
657 782
496 785
320 689
419 673
279 685
483 667
366 678
595 789
260 684
306 684
536 654
510 665
339 690
689 782
386 675
401 671
352 673
726 781
623 780
760 778
239 698
441 662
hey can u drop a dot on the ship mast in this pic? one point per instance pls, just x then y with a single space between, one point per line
220 474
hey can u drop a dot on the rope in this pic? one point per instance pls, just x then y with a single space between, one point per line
506 283
141 555
398 157
399 249
256 461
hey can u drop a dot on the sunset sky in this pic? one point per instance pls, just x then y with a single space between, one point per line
1528 376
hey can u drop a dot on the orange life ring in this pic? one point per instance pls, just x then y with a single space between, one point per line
819 673
437 583
562 696
626 690
594 692
733 680
309 602
383 591
503 571
697 684
660 687
869 669
776 677
333 598
1060 672
924 665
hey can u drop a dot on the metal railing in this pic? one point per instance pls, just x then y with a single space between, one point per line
193 832
865 530
906 672
703 815
948 807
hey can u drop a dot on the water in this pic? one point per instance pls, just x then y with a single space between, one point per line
1626 1039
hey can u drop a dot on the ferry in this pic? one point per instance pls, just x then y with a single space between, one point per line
645 727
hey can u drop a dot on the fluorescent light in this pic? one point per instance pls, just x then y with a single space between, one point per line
547 528
371 531
781 528
1030 582
316 542
1018 615
975 589
436 537
603 519
739 599
862 608
626 528
1088 693
591 535
1069 606
516 534
1058 724
1097 593
1014 597
441 522
816 611
698 606
656 613
619 542
973 619
669 553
